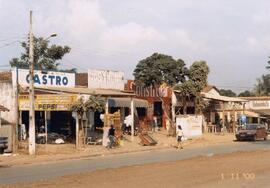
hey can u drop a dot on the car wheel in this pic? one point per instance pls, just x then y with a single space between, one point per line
254 137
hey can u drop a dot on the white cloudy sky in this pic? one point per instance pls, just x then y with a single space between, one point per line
233 36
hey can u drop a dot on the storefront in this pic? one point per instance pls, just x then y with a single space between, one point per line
159 101
52 115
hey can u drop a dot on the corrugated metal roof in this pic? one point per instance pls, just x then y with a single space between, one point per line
222 98
84 90
3 109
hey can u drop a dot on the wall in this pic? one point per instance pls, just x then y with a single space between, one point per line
7 100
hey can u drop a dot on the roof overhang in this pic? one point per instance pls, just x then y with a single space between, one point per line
126 102
222 98
87 91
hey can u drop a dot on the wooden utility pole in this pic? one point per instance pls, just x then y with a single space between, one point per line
16 125
32 136
132 108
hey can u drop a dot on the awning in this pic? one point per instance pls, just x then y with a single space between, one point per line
126 102
222 98
251 114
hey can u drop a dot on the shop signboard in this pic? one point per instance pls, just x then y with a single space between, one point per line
105 79
191 125
151 91
45 78
48 102
258 105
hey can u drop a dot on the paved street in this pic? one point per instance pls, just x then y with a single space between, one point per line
29 173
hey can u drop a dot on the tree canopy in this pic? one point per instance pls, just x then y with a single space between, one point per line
198 74
262 88
158 69
227 92
246 93
191 88
95 103
45 56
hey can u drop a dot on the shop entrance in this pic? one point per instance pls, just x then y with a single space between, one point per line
158 112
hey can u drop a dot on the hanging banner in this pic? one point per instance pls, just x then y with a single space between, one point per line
48 102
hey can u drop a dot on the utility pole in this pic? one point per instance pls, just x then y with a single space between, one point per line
32 135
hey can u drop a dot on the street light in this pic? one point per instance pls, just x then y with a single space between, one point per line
52 35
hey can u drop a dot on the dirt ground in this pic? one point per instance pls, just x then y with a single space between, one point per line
231 170
53 152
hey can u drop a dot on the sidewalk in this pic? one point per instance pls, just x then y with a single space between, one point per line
53 152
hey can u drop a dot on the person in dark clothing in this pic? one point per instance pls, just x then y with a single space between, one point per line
111 136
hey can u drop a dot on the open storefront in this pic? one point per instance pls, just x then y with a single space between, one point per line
53 117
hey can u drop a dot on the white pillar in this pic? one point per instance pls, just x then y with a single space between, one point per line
77 130
132 119
107 106
46 126
173 113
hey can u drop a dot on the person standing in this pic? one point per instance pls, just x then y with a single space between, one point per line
111 135
179 134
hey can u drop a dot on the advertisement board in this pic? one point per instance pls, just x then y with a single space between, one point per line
191 125
48 102
45 78
150 91
105 79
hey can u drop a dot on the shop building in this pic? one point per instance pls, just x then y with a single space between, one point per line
158 98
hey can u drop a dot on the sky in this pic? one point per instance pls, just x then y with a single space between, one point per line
232 36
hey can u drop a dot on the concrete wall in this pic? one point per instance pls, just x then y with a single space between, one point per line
7 100
6 131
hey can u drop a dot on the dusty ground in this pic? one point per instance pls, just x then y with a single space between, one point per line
53 152
230 170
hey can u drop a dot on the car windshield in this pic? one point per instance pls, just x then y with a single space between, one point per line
250 127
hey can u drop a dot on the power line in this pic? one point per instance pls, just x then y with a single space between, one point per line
8 44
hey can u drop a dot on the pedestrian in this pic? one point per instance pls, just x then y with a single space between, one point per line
111 136
179 135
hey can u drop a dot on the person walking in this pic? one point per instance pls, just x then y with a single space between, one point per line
179 134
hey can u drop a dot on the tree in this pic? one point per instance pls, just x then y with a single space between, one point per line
268 66
158 69
198 74
262 88
45 56
81 106
95 103
227 92
190 89
246 94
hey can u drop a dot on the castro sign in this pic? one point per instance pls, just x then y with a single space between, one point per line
42 78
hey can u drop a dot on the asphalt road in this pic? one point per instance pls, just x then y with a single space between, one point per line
34 172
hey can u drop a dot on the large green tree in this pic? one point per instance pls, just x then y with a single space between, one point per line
227 92
45 56
158 69
190 89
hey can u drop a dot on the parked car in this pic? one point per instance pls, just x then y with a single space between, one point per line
251 132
